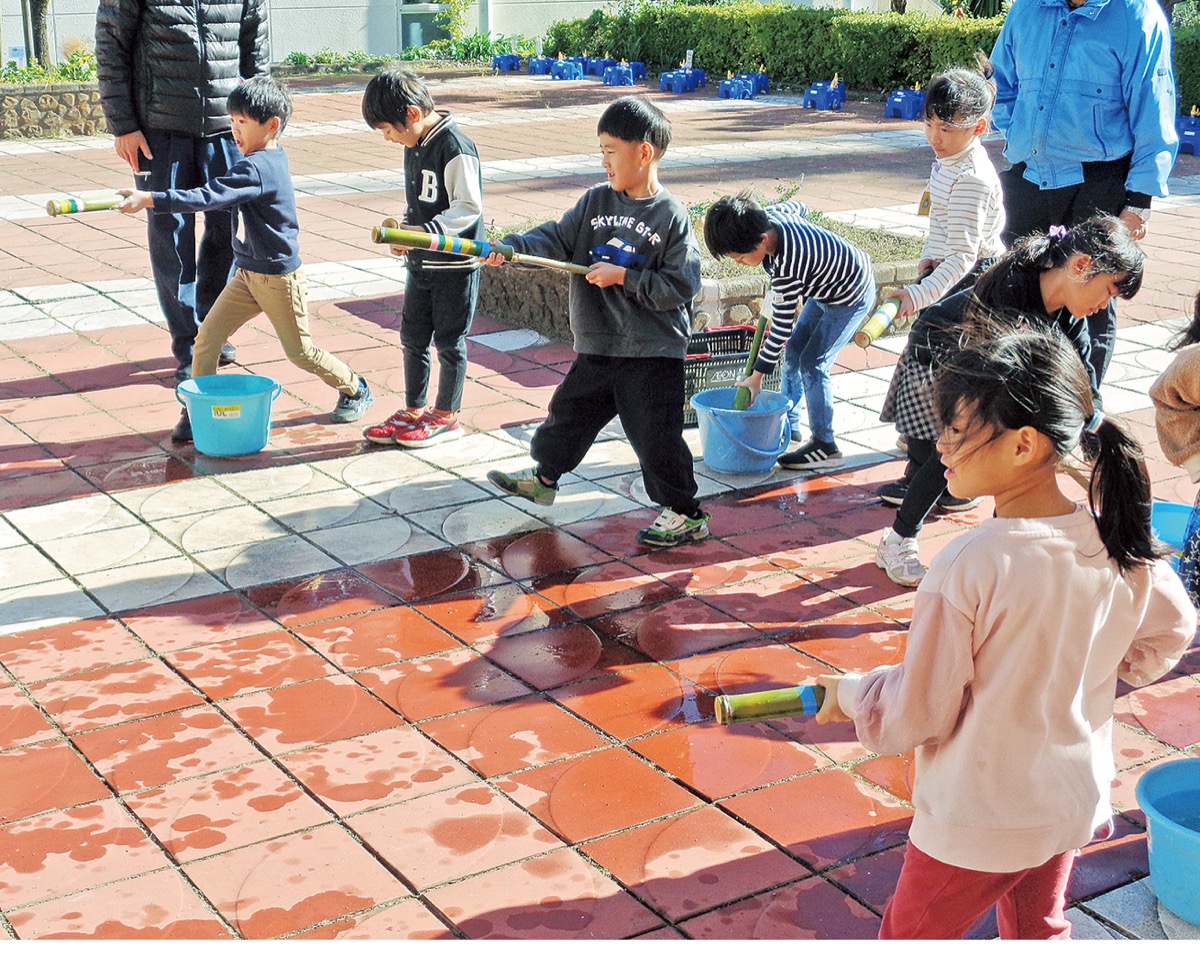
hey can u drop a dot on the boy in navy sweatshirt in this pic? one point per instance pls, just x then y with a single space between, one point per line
630 316
268 277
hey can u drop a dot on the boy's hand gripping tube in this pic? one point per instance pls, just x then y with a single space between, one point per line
742 398
773 703
440 243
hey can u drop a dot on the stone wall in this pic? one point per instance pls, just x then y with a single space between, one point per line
48 110
537 298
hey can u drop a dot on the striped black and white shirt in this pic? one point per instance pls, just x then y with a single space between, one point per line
809 262
966 216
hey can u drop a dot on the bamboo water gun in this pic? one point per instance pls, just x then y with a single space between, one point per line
66 205
741 398
440 243
878 322
773 703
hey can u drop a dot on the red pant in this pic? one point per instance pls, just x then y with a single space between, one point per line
936 900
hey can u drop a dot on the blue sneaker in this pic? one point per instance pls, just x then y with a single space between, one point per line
351 408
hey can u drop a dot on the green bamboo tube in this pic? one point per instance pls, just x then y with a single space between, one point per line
741 398
878 322
773 703
440 243
76 204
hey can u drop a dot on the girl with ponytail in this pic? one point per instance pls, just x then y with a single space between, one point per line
1020 631
1053 280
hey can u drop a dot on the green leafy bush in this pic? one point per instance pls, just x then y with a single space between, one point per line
1187 66
867 50
79 67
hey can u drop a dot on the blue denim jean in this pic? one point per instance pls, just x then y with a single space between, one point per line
438 308
188 277
818 336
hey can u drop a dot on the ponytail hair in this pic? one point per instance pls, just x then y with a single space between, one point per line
1192 333
962 94
1104 239
1031 376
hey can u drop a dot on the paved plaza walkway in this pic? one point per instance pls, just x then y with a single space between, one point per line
336 690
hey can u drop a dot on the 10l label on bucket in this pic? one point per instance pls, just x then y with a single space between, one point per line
227 412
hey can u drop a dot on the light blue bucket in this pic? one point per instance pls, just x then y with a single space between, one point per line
1169 522
747 440
1169 794
230 414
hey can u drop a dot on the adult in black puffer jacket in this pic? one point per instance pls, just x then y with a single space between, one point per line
166 68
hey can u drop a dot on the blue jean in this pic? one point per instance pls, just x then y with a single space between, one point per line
438 308
812 348
188 279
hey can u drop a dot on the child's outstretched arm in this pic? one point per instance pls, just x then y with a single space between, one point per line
240 184
896 708
553 240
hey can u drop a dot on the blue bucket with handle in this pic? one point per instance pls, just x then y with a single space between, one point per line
230 414
1169 794
742 440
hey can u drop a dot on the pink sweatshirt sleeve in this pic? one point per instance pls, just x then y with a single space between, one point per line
1168 628
896 708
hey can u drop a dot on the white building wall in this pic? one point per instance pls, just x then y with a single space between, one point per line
378 27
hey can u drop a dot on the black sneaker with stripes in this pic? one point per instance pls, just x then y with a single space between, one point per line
812 455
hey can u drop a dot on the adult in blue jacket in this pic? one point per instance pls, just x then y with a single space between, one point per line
165 69
1085 98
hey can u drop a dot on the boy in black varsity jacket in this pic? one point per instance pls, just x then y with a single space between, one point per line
630 315
269 278
444 193
837 282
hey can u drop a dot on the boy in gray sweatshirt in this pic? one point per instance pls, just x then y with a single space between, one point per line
631 317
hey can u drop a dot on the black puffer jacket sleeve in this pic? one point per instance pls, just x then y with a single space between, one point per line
169 65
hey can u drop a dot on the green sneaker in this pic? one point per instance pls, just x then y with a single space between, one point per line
525 484
673 529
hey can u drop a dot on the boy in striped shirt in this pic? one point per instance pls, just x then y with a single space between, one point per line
963 198
837 283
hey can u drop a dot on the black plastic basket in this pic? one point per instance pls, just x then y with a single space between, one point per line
717 357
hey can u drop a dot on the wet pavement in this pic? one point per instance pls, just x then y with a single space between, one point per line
336 690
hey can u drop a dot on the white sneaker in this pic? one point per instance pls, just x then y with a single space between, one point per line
900 560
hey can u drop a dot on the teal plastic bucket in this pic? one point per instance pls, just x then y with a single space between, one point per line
230 414
1170 796
748 440
1169 521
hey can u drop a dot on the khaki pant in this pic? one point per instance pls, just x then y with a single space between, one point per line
284 299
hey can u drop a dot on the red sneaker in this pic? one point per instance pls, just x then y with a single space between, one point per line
429 431
385 432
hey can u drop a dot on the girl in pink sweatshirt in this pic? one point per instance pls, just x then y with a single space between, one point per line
1019 633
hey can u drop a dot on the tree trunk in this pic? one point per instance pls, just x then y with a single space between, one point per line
899 6
39 11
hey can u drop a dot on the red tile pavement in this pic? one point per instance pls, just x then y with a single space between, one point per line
511 739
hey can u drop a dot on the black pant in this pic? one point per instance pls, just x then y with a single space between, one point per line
647 396
438 308
926 477
1030 209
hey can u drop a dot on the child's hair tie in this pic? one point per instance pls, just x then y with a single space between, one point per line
1058 233
1093 424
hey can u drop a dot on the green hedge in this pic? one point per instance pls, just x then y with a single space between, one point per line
1187 66
867 50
